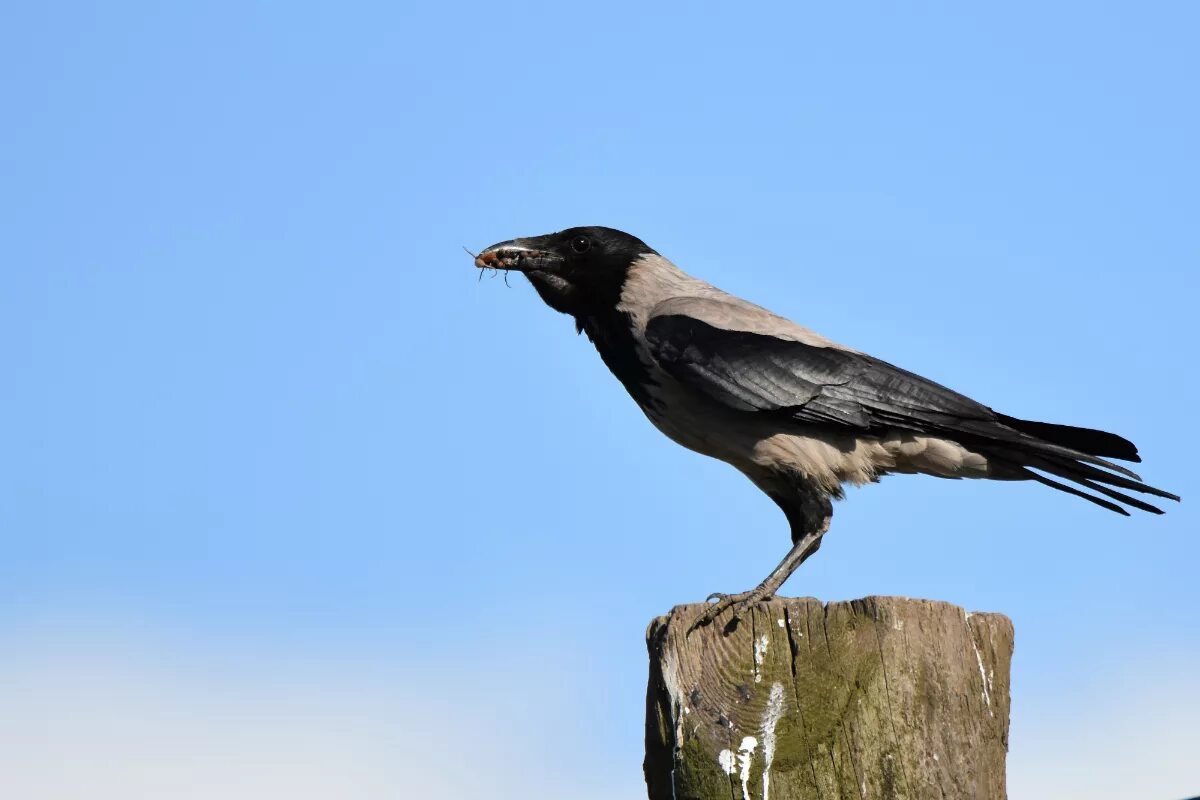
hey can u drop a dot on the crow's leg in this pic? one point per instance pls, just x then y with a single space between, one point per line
809 511
804 547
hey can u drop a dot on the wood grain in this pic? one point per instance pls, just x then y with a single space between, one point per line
883 697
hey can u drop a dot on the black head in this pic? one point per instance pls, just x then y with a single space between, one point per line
578 271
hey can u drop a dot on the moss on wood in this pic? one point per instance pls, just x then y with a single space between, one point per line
881 698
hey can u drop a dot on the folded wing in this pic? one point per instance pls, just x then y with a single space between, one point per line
824 385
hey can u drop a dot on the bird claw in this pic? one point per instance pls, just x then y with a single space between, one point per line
740 604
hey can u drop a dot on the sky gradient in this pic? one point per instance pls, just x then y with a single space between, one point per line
292 504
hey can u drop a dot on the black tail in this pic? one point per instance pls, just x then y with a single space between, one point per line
1085 440
1077 455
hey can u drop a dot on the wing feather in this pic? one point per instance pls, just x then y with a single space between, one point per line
810 383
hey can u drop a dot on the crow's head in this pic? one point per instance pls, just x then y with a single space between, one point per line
578 271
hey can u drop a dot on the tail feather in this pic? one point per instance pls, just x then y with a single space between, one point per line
1083 440
1007 436
1076 455
1080 472
1062 487
1124 498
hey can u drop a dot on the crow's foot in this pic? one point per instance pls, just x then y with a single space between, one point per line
739 604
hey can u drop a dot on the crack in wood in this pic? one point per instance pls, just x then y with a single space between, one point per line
879 704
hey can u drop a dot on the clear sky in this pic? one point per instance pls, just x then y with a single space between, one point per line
291 505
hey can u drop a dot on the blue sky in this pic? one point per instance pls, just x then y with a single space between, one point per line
274 454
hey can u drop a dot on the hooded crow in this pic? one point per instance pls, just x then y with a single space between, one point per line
798 414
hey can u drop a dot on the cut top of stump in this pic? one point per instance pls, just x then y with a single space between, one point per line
883 697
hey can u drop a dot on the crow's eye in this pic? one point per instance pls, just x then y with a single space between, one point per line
581 244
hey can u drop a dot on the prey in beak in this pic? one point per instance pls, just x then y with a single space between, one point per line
518 255
579 271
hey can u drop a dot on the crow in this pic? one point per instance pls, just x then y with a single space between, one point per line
799 414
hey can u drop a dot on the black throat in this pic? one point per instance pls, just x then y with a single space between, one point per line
612 333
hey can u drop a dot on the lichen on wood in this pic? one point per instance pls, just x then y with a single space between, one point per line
882 697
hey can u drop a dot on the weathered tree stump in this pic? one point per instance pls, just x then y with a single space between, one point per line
883 697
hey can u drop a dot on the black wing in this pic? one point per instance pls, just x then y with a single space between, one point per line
758 373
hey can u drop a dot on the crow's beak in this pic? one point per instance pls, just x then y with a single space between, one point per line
519 255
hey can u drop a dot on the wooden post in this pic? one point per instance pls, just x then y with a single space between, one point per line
883 697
